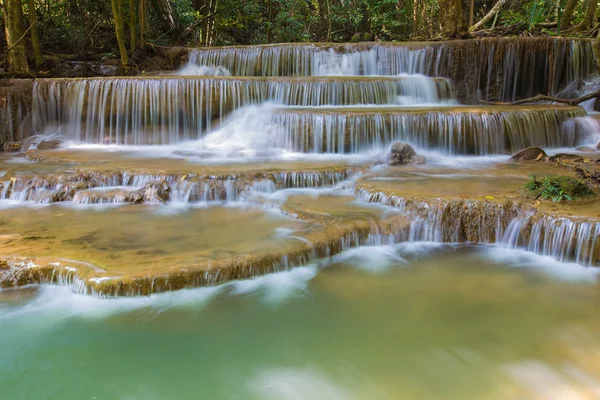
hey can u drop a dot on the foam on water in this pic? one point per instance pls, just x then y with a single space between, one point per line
202 70
275 288
583 130
297 384
518 258
376 259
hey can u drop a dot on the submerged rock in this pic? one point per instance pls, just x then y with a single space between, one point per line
529 154
586 149
566 157
404 154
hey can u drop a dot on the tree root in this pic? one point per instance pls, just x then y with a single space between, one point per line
543 97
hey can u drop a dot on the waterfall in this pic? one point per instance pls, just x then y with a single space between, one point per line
454 220
500 68
563 238
454 130
583 131
172 109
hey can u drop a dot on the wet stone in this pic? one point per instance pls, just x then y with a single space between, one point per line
49 144
403 154
529 154
565 157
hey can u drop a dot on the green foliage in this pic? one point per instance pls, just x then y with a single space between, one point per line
558 188
85 27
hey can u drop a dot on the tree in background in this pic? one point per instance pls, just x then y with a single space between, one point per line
117 9
35 37
91 30
452 23
15 37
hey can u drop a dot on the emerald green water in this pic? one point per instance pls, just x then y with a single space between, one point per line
412 321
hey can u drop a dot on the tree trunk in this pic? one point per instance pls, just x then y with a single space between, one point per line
328 21
117 9
471 13
132 25
568 14
415 18
269 21
13 26
452 21
590 13
596 47
142 21
35 37
488 16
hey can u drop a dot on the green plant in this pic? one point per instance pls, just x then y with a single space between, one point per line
558 188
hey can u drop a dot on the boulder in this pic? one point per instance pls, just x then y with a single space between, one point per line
529 154
404 154
598 146
49 144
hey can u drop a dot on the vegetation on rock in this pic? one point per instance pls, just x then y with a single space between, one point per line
558 188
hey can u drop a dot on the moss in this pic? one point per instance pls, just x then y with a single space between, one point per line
558 188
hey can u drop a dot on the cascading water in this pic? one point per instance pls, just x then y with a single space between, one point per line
583 131
502 69
456 130
169 110
346 102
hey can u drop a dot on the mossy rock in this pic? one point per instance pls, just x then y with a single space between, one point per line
368 37
357 37
558 188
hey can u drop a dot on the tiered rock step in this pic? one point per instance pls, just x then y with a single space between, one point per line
456 130
171 108
501 68
94 177
139 250
487 206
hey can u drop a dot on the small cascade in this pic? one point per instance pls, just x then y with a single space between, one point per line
457 221
170 109
564 239
480 130
119 187
583 131
437 220
502 69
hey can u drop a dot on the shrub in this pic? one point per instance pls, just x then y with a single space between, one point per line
558 188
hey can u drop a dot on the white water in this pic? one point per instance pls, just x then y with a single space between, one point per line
202 70
584 131
57 302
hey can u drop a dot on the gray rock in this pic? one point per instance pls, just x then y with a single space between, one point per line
404 154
